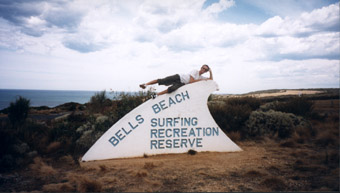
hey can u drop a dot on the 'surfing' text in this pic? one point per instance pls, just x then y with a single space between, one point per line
173 122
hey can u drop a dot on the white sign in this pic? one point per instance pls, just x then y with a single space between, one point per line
170 123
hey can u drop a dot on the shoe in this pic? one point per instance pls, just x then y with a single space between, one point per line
153 95
142 86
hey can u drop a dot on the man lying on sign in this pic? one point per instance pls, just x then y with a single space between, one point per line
179 80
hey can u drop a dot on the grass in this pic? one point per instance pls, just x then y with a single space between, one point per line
306 160
234 136
149 165
86 184
274 184
53 147
59 187
40 168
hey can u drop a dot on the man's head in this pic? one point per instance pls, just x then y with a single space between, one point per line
205 68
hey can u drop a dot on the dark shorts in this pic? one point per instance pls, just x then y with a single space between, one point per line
173 80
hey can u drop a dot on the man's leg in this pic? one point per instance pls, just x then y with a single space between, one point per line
163 92
152 82
143 86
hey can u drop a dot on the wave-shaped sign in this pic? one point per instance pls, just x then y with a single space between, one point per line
170 123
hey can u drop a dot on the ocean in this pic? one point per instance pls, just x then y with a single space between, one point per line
50 98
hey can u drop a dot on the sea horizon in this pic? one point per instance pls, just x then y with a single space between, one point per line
50 98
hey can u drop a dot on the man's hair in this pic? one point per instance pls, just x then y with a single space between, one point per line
206 66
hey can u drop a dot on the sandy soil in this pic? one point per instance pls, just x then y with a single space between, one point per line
262 166
287 92
265 165
208 171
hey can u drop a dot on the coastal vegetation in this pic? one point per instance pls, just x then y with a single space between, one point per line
300 131
18 110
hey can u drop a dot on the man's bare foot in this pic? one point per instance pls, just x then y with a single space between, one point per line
142 86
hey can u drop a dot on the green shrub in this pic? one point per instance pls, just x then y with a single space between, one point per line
273 123
36 135
77 119
17 146
99 101
65 133
90 132
86 140
18 110
252 102
126 102
231 114
269 106
297 105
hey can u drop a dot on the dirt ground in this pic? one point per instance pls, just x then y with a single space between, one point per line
287 92
295 164
261 166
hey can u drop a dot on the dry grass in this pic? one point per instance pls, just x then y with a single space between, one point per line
254 174
234 135
52 147
265 166
302 135
308 161
41 168
60 187
326 138
103 168
149 165
288 143
141 174
274 184
86 184
67 160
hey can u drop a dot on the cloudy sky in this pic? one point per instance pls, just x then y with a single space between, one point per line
95 45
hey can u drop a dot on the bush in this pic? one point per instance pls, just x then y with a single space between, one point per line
99 101
65 133
271 123
35 135
127 102
77 119
91 131
269 106
14 152
298 106
18 110
86 140
252 102
231 114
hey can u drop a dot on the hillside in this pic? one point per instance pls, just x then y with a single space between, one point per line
43 153
279 94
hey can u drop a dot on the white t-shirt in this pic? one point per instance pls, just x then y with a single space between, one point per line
185 78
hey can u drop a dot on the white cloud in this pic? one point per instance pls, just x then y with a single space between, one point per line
319 20
293 73
119 44
219 6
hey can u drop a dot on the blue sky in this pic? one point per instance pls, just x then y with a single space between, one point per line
112 44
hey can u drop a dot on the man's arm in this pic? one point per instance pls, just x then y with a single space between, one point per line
211 75
192 80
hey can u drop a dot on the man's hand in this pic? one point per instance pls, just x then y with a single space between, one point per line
211 76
